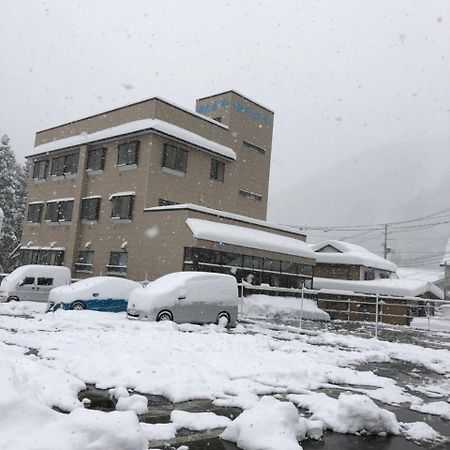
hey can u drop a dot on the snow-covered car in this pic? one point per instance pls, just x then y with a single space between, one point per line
97 293
33 282
194 297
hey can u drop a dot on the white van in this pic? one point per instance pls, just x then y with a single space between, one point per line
195 297
33 282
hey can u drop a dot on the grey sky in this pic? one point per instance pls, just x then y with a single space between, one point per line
343 77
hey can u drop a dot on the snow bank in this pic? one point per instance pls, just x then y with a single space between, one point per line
270 425
260 305
247 237
350 413
440 408
433 324
198 421
27 421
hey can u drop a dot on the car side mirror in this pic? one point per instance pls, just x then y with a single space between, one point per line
95 294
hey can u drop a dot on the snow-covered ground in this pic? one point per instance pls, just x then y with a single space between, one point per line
278 375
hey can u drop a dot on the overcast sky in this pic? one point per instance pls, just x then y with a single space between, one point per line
343 76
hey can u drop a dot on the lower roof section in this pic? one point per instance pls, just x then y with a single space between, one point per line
387 286
247 237
228 215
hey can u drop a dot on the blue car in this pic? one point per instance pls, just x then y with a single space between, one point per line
96 293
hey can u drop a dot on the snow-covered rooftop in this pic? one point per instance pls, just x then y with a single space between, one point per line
226 215
133 127
387 286
339 252
247 237
419 273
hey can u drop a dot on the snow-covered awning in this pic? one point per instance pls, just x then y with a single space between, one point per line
67 199
133 127
247 237
122 194
339 252
388 286
38 247
91 197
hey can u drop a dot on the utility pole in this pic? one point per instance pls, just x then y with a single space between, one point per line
385 241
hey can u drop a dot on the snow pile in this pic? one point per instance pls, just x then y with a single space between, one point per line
247 237
28 422
159 431
440 408
137 403
198 421
350 413
260 305
433 323
271 425
420 431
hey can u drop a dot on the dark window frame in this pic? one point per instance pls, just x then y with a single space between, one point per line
217 170
115 207
117 267
84 264
164 202
62 212
37 171
63 165
31 214
93 160
254 147
127 156
174 158
250 195
90 208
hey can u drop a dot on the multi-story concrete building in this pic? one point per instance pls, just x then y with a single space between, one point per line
151 188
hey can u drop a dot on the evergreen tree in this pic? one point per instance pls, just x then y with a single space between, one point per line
13 180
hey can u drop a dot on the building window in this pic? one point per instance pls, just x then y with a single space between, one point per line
65 165
59 211
127 153
90 208
254 147
250 195
35 212
85 261
164 202
117 263
96 159
122 207
174 158
40 170
217 171
44 257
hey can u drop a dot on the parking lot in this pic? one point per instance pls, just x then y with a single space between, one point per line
76 357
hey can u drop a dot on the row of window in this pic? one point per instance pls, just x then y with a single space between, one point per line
118 262
253 269
174 158
61 211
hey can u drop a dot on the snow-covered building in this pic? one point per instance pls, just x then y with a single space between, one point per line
343 260
151 188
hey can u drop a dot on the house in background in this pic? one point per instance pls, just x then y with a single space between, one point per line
345 261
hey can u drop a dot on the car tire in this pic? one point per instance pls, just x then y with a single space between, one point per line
78 306
12 298
164 316
223 319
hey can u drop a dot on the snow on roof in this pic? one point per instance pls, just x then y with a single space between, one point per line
446 258
67 199
247 237
227 215
122 194
90 197
416 273
36 203
132 127
386 286
347 253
